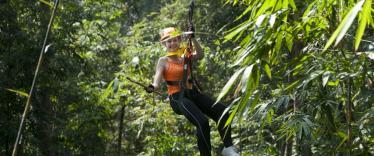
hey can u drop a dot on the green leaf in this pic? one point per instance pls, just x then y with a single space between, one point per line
232 115
280 102
256 76
335 83
344 25
293 85
289 41
292 3
279 41
249 8
272 19
47 3
259 20
363 22
267 71
107 92
237 30
285 4
265 6
247 73
253 102
325 78
115 85
19 92
311 77
269 116
344 138
309 12
242 56
243 103
227 110
229 84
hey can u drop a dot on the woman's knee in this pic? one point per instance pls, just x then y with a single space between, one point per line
204 124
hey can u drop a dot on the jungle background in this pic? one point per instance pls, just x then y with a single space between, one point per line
297 76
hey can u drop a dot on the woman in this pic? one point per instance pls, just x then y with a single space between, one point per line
194 105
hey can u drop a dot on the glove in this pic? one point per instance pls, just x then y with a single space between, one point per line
150 88
192 29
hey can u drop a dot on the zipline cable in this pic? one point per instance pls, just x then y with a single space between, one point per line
27 107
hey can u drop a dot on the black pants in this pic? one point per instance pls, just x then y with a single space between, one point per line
194 107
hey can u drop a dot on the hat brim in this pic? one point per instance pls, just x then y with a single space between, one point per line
169 37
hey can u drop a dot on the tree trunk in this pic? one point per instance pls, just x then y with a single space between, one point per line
349 116
286 147
44 124
303 148
120 129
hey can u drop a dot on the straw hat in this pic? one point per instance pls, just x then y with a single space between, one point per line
169 33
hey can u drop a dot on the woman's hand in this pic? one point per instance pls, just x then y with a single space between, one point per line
191 29
150 88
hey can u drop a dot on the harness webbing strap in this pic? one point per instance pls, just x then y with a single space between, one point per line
187 58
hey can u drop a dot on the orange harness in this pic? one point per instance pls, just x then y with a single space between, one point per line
173 76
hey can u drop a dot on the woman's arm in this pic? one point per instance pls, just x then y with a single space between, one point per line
199 53
159 73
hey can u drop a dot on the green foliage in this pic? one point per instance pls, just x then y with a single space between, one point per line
286 87
305 95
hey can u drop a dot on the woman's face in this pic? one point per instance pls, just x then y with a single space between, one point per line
172 44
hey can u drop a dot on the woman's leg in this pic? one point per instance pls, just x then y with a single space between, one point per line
197 118
206 105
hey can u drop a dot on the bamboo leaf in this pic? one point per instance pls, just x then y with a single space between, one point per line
115 85
249 8
47 3
232 115
335 83
325 78
344 138
309 12
267 71
278 43
269 116
363 22
272 19
247 73
259 20
227 110
280 102
257 76
292 3
253 101
370 20
19 92
266 5
300 130
107 91
229 84
311 77
344 25
289 41
350 18
243 55
285 4
237 30
243 103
